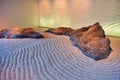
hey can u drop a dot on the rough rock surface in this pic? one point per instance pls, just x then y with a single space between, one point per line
19 33
61 31
3 33
92 41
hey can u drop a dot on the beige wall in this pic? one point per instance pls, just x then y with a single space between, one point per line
80 13
18 13
55 13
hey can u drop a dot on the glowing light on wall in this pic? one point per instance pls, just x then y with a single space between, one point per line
80 13
112 29
54 14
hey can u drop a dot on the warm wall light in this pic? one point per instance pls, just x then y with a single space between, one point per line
53 13
80 13
43 10
38 12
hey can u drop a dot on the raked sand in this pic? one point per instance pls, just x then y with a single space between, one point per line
54 59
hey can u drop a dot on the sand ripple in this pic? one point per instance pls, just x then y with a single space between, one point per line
53 59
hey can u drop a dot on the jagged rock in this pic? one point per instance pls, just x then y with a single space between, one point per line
19 33
3 33
61 31
92 41
99 48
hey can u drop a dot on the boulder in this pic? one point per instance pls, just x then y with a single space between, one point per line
98 48
19 33
92 41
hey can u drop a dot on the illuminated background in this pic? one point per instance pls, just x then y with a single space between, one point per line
55 13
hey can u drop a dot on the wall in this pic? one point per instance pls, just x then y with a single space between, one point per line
55 13
79 13
21 13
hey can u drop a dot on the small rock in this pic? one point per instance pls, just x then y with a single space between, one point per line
20 33
61 31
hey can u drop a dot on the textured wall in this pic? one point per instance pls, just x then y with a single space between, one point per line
18 13
79 13
55 13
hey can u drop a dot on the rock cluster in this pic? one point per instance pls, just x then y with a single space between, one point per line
90 40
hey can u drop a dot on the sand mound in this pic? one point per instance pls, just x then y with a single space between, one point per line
53 59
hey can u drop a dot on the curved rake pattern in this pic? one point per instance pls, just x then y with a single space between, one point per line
54 59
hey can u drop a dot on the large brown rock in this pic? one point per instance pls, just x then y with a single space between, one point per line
61 31
92 41
19 33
